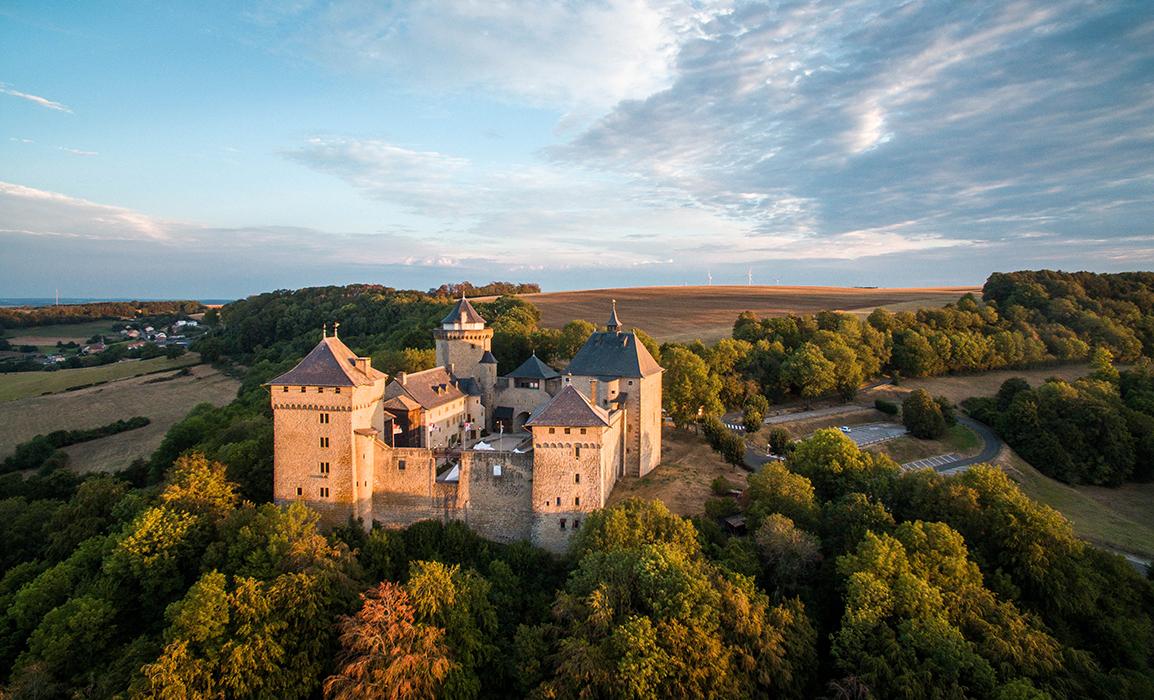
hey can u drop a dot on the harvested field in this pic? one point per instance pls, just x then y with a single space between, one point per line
963 386
682 481
687 313
20 385
163 402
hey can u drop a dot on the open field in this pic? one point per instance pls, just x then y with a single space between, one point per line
682 481
65 332
708 313
1120 519
164 402
963 386
20 385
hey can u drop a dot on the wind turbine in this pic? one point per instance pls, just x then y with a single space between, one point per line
749 277
709 274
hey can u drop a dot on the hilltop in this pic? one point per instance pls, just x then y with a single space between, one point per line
680 314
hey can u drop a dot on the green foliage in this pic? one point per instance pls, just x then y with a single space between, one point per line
835 466
887 407
754 412
777 490
721 486
923 416
780 441
728 444
808 372
688 389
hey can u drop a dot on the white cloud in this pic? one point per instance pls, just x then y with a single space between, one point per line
42 101
79 152
583 55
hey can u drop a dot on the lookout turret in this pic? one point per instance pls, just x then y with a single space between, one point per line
462 340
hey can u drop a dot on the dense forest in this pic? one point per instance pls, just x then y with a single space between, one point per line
177 578
24 317
1096 430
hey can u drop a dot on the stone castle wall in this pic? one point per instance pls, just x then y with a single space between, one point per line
462 350
498 505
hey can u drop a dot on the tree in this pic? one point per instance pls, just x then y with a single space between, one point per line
780 441
689 390
386 654
809 372
922 416
754 413
775 489
791 555
573 336
1102 362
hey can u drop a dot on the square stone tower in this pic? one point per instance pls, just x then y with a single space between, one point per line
327 414
462 340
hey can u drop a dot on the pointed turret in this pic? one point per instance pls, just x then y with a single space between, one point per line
614 324
463 315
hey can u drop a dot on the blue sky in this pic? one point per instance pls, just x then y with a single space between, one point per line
217 149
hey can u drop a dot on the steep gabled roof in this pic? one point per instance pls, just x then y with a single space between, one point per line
612 354
330 363
569 409
463 312
430 388
534 368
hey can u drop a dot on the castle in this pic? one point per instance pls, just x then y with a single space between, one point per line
525 455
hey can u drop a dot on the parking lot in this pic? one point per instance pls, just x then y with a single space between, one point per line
935 463
873 433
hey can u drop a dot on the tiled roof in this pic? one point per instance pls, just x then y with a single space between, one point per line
534 368
401 402
613 355
488 359
430 388
569 409
463 312
330 363
469 385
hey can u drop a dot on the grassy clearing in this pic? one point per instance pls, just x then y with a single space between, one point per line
959 387
65 332
164 403
1115 518
682 481
20 385
959 440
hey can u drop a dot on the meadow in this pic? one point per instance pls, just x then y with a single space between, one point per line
20 385
164 398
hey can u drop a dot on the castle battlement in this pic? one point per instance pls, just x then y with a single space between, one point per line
352 443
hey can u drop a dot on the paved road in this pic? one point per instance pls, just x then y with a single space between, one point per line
873 433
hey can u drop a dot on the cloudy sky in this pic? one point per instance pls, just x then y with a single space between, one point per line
217 149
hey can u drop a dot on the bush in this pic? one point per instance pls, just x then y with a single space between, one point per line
887 407
722 486
922 416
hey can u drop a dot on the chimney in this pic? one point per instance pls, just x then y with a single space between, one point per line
401 377
593 391
363 365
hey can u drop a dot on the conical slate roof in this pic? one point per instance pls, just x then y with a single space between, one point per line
463 312
569 409
488 359
330 363
533 368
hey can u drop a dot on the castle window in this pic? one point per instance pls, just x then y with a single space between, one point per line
325 468
577 452
324 442
496 470
562 523
576 523
568 430
284 389
576 478
583 431
577 501
401 465
337 390
304 389
324 418
558 500
630 382
299 492
324 492
552 430
320 390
